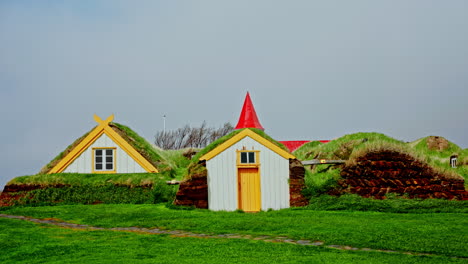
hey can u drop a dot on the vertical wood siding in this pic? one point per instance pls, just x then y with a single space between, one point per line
222 178
124 163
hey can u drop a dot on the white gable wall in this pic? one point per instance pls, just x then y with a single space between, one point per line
222 178
124 163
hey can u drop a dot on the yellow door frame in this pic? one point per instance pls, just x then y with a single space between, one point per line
242 166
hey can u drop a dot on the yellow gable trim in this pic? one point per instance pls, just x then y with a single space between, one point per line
131 151
102 128
247 133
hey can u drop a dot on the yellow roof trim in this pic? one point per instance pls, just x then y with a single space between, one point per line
102 128
247 133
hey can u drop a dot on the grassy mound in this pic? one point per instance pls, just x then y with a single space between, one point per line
177 161
305 151
435 151
321 179
342 147
436 160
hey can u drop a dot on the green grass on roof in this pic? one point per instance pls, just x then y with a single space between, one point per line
83 179
140 144
176 160
342 147
421 145
440 158
305 149
62 154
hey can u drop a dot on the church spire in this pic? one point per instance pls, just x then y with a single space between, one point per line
248 117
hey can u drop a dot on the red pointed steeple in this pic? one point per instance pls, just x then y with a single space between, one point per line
248 117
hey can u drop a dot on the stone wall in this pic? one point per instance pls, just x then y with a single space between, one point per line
14 192
377 173
296 184
193 191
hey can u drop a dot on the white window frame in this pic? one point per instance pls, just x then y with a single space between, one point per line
104 161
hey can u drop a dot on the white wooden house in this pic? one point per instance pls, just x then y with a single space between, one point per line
103 150
248 172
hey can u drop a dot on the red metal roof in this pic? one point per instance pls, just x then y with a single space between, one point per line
248 117
292 145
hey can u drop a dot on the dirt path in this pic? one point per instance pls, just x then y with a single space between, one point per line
181 233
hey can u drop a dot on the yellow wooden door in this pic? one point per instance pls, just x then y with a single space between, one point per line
249 189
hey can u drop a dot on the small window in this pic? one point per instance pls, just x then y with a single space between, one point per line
104 159
453 162
247 157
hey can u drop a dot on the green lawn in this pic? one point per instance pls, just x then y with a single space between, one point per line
25 242
436 233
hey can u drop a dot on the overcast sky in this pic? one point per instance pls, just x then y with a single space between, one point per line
315 69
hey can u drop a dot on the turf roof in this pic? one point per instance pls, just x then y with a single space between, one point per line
62 154
137 142
353 145
342 147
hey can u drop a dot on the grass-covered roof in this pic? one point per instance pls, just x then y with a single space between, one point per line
137 142
140 144
83 179
62 154
340 148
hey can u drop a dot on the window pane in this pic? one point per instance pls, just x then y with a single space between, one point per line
109 152
109 159
98 159
251 157
98 166
98 152
243 157
109 166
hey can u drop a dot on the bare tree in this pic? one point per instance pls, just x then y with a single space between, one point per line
194 137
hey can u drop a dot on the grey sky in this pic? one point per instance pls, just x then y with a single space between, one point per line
315 69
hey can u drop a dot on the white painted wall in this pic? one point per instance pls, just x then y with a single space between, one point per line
124 163
222 178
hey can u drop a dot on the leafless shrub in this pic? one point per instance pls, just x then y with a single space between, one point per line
190 137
